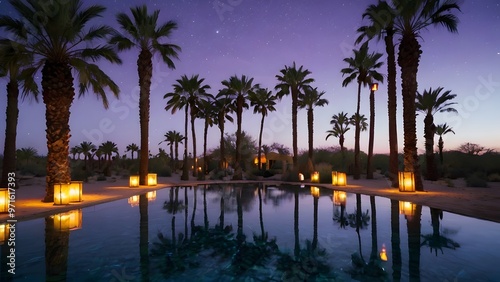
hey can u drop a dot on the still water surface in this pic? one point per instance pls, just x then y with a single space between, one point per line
252 233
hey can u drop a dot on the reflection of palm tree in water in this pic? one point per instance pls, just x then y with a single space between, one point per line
358 220
144 237
340 217
56 251
395 241
436 241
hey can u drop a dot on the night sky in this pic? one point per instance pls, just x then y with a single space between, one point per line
258 38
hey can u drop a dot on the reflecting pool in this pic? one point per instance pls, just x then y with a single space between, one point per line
255 233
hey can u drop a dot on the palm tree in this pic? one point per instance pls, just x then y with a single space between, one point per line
310 99
381 24
107 149
132 148
362 68
238 90
208 112
178 101
87 149
263 102
413 17
13 59
26 154
169 138
293 81
187 93
442 129
75 151
145 34
223 104
61 52
430 102
178 138
360 120
369 168
340 124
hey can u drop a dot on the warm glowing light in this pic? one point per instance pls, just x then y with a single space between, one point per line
152 179
134 181
315 191
315 177
4 200
61 193
374 87
151 195
301 177
407 208
134 200
199 168
406 181
4 232
71 220
75 191
339 178
339 198
383 253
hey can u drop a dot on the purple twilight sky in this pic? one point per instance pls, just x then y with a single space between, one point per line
220 38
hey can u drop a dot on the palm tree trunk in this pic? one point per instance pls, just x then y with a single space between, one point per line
414 232
441 146
374 252
56 251
172 162
58 94
429 129
395 241
310 129
369 167
392 108
9 151
259 163
238 174
185 169
222 162
295 98
144 237
357 131
193 132
205 163
409 56
145 70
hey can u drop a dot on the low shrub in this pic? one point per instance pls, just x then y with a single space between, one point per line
477 179
325 172
494 177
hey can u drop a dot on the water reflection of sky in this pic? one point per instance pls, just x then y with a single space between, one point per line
107 245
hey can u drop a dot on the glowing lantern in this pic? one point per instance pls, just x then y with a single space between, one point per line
339 198
383 253
75 191
152 179
61 193
4 232
315 191
406 181
133 181
301 177
374 87
71 220
339 178
263 159
4 200
151 195
407 208
315 177
134 200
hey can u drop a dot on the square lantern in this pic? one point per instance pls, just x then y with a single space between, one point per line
151 196
68 221
339 178
339 198
407 208
4 232
75 191
406 181
133 181
152 179
315 177
4 200
301 177
61 193
134 200
315 191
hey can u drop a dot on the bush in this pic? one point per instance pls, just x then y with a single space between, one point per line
164 171
267 174
477 179
325 172
494 177
291 175
34 169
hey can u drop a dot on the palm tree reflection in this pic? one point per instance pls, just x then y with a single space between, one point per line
436 241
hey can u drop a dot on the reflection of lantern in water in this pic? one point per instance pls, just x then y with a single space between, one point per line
75 191
134 200
134 181
152 179
315 177
383 253
407 208
4 199
65 221
339 198
61 193
4 232
315 191
406 181
151 195
339 178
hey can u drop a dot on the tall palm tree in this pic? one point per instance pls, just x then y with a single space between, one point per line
238 90
340 127
311 98
415 16
178 138
143 32
208 112
442 129
293 81
107 149
369 168
75 151
381 24
87 149
132 148
169 138
263 102
13 60
362 69
176 101
26 154
223 104
61 52
360 120
430 102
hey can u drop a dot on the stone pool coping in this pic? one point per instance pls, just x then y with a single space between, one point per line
482 203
